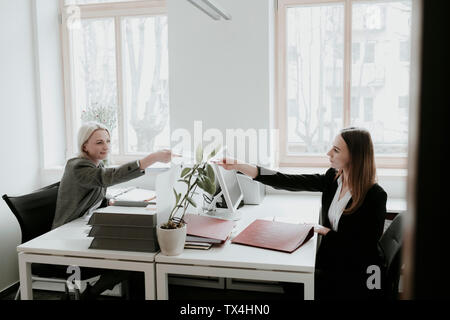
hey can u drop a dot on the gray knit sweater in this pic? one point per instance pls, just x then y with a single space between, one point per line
83 185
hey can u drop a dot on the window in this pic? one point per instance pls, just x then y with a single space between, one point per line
116 72
355 107
369 52
355 52
339 66
368 109
404 51
403 106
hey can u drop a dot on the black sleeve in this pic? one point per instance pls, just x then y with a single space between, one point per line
294 182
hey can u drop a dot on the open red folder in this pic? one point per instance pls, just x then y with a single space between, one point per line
207 229
274 235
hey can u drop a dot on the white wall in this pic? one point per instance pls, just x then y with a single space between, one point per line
19 142
221 72
50 85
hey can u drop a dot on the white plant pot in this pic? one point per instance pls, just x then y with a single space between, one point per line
171 241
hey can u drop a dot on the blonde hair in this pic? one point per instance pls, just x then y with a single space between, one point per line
85 132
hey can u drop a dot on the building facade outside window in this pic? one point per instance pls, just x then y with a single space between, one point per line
348 64
116 72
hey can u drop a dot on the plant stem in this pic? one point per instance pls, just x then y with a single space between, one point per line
184 199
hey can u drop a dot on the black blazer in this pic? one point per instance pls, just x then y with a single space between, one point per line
354 246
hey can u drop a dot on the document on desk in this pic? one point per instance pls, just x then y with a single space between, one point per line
275 235
134 197
207 229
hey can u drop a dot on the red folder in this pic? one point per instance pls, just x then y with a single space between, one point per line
274 235
208 227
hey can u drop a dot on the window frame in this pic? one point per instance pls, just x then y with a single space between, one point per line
285 160
115 10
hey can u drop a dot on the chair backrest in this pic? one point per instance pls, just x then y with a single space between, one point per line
34 211
390 246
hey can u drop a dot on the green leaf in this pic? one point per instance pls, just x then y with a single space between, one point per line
199 154
210 172
213 187
185 172
214 152
210 186
177 195
191 202
201 184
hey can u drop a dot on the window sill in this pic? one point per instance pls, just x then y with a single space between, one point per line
381 173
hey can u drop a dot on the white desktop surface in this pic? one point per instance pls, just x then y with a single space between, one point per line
238 261
71 239
305 209
69 245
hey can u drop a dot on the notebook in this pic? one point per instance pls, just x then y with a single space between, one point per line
135 197
124 216
207 229
121 232
274 235
197 245
125 244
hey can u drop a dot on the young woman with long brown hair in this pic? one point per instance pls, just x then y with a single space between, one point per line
353 213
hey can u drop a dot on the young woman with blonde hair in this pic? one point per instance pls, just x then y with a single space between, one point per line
85 180
83 189
353 213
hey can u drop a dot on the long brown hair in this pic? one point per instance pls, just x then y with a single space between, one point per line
362 169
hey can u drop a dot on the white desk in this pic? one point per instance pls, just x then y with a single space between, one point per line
244 262
69 245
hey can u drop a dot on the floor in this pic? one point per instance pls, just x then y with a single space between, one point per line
176 292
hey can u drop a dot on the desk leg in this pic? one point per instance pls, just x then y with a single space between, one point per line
26 284
309 288
149 274
162 286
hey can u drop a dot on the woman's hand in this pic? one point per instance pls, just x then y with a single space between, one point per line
233 164
321 229
228 163
164 156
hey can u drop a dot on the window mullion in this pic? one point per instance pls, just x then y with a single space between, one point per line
347 61
119 75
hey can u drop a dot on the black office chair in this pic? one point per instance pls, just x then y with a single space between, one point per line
35 212
390 248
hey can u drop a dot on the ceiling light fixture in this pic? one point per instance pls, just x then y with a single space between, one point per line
211 9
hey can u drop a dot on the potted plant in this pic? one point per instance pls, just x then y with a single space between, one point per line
172 234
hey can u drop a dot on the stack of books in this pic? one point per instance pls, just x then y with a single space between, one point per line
203 231
124 229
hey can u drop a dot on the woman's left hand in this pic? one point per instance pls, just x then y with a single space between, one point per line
320 229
